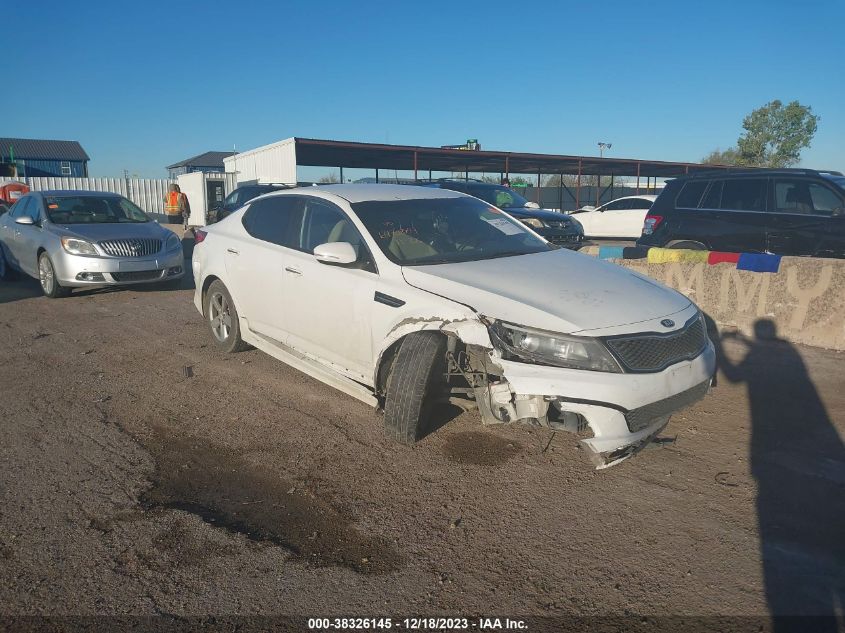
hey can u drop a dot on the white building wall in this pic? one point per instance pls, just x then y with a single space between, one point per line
274 163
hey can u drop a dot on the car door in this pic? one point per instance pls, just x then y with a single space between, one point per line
28 237
7 228
801 220
606 221
594 221
732 216
331 304
256 261
15 235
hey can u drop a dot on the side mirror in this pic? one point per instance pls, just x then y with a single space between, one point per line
532 205
25 219
336 253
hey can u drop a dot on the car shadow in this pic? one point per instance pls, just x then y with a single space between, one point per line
20 288
797 459
442 412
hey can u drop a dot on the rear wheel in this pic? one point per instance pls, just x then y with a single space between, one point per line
689 245
223 319
47 276
411 388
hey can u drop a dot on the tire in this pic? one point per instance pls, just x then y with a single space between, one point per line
7 273
417 370
222 318
47 278
689 245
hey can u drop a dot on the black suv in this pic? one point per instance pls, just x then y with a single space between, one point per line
240 196
557 228
780 211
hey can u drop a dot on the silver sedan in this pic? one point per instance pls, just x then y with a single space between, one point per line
74 239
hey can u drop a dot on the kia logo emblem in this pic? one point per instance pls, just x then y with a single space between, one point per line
667 323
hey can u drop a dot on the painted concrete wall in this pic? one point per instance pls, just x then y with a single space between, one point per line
805 299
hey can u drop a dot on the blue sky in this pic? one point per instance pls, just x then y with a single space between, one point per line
145 84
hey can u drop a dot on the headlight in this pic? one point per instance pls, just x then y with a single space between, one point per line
533 223
517 342
78 247
173 242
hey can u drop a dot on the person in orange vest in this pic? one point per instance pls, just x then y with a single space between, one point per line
176 203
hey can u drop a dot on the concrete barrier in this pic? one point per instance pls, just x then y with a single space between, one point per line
805 298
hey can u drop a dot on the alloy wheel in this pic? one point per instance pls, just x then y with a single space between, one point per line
46 275
219 316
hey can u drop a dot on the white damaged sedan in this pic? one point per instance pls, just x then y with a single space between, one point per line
403 296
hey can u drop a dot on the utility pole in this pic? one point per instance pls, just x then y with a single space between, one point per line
602 146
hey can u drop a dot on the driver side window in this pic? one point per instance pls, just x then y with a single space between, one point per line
324 223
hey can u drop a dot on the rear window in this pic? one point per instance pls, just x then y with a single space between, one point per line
690 195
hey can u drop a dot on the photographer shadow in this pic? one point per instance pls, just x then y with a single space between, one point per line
798 461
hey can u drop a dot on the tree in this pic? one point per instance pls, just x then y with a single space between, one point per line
718 157
774 137
329 179
775 134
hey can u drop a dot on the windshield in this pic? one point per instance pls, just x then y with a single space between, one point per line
92 210
444 231
501 196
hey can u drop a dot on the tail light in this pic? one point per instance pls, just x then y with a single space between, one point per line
199 236
651 223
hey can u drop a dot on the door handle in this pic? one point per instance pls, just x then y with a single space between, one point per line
293 271
233 251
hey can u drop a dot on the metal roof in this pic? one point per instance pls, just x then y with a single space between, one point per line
327 153
35 149
207 159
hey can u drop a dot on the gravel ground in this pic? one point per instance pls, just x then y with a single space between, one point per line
132 485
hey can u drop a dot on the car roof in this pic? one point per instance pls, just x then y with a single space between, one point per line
373 192
644 197
77 192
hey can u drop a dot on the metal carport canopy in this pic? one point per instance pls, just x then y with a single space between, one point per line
326 153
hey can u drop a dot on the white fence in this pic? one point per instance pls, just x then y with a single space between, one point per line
147 193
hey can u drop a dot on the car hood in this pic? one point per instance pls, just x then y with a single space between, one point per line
560 291
113 231
543 214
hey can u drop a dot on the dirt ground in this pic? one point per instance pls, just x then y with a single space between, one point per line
143 472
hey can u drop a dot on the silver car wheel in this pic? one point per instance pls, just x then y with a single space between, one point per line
219 316
46 275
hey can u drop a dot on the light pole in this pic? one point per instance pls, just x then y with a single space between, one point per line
602 146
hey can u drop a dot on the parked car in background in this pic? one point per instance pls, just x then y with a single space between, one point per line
76 239
403 296
239 197
780 211
558 228
621 218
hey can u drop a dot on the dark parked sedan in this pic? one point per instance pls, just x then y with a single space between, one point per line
779 211
240 196
557 228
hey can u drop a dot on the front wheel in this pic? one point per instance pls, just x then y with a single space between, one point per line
223 319
411 388
50 285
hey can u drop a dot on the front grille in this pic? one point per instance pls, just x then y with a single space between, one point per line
131 247
140 275
638 419
655 352
559 224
